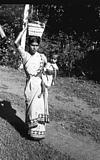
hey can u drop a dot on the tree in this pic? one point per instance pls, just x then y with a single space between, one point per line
70 30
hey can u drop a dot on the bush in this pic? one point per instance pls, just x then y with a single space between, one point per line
78 52
79 56
8 54
11 21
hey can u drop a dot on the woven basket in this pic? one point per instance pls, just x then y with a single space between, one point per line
36 29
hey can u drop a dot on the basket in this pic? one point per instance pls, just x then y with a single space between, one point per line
36 29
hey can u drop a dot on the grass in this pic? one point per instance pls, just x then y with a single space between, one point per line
13 143
74 120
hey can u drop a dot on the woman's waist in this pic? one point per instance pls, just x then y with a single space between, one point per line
34 75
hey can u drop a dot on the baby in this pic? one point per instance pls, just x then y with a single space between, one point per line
49 74
51 70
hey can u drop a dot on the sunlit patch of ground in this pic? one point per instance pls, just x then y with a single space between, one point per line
74 129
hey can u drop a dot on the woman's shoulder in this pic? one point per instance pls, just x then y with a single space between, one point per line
21 49
25 54
43 57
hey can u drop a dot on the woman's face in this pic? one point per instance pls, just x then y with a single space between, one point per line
34 47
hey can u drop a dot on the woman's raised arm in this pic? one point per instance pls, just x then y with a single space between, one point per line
18 39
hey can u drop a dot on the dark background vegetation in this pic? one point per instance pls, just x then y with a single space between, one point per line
72 31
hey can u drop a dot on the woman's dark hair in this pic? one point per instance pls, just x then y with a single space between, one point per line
34 39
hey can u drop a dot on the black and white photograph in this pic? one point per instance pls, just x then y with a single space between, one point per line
50 80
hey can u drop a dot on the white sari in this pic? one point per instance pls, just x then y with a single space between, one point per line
36 100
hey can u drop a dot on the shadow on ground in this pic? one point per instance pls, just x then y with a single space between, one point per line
9 114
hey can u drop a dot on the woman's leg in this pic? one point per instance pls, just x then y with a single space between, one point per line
35 114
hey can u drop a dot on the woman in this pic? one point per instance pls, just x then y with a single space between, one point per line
35 96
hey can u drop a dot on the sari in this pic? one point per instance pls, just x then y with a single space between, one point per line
36 94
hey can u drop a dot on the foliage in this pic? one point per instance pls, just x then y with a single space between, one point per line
8 55
76 35
70 32
11 20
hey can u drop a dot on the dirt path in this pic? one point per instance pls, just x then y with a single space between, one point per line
61 139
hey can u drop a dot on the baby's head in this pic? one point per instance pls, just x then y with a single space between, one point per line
54 58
